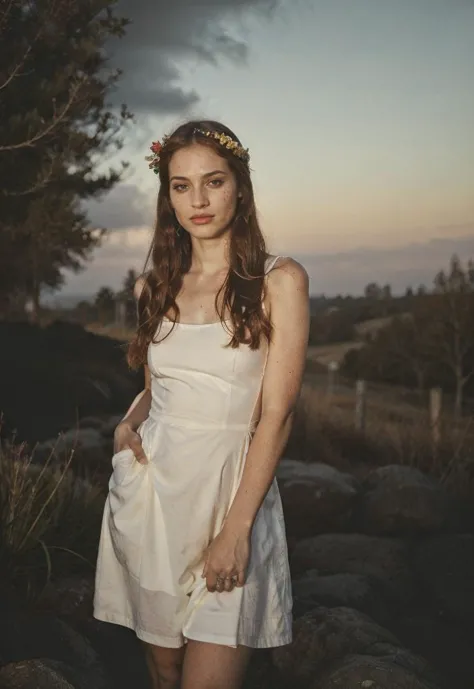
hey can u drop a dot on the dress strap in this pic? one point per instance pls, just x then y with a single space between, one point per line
270 263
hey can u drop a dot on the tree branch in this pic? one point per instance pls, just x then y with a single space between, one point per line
29 143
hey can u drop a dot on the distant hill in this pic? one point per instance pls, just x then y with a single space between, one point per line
65 301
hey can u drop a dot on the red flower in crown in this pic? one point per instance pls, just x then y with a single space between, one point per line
156 147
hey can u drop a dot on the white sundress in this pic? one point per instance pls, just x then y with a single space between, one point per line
160 517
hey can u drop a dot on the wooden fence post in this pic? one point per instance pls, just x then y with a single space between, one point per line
435 416
360 405
120 313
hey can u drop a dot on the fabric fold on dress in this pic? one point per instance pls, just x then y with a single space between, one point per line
159 518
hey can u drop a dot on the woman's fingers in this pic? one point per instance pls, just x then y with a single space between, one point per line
137 449
126 437
211 581
229 583
222 582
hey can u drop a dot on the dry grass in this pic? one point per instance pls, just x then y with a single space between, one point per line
325 354
395 432
112 330
49 521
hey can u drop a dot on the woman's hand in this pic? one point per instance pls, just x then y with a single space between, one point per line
126 437
227 560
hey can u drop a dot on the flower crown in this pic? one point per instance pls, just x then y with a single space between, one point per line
225 140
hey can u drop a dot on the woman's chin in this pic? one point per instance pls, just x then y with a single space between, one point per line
209 231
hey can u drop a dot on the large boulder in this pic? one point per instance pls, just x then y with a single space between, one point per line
385 559
25 636
44 673
38 673
362 592
316 498
445 567
369 672
402 500
69 598
446 643
80 440
325 636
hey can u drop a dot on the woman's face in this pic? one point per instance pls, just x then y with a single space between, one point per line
203 191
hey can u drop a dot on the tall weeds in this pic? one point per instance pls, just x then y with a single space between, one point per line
49 520
324 431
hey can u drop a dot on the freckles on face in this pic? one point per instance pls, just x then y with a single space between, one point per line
201 182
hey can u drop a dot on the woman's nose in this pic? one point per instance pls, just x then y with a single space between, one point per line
199 199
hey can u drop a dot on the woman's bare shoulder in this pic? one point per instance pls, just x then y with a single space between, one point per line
287 289
287 273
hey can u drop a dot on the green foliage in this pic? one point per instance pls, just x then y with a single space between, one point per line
105 304
55 129
433 345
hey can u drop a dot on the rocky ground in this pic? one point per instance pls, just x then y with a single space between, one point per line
382 563
383 584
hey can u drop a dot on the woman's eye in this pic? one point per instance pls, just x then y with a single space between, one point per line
216 182
179 187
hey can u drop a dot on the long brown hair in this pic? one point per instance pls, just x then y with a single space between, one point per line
243 289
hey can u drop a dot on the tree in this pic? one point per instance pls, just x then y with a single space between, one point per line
372 291
55 131
454 334
127 297
105 304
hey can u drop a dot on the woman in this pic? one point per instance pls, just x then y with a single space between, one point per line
193 552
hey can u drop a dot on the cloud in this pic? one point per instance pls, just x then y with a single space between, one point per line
163 34
332 273
123 207
403 266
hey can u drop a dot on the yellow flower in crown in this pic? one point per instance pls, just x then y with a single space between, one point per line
227 141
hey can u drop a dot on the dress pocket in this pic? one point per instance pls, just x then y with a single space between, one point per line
122 463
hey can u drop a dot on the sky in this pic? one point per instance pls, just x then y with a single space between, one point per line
358 115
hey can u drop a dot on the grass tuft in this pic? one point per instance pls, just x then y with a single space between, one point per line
49 521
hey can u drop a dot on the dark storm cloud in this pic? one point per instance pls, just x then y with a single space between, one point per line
163 33
123 207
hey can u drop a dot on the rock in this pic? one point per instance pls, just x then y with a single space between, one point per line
33 674
445 567
368 672
324 636
81 438
316 497
91 422
362 592
120 650
446 644
25 636
44 673
68 597
386 559
401 500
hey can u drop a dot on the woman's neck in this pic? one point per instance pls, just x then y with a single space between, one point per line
210 256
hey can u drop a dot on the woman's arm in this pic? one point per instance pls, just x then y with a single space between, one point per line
125 434
228 554
289 312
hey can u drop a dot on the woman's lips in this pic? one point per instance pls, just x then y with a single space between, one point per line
202 219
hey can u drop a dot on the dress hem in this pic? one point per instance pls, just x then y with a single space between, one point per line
179 642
